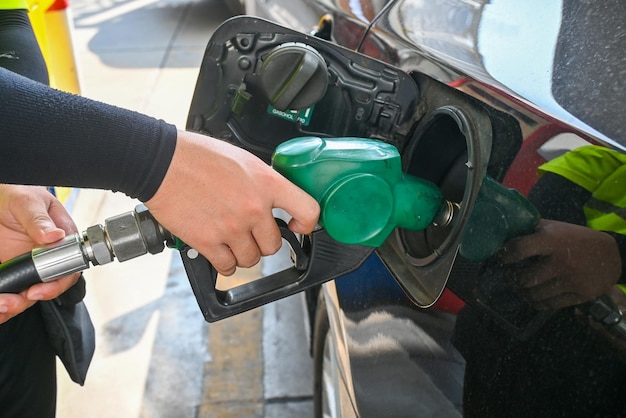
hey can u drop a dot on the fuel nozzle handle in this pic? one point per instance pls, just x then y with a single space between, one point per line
359 184
124 237
499 213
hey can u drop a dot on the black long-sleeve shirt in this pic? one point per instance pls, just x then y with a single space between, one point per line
50 137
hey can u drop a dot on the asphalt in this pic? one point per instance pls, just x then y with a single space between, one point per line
156 357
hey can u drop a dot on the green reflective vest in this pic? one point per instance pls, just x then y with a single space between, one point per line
602 172
13 4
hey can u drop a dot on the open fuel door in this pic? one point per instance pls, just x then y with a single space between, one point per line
261 84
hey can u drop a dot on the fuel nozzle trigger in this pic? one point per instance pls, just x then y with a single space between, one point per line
332 260
299 257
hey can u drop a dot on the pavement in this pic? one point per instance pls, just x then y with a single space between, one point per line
156 357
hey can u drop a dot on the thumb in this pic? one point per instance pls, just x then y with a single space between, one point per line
43 230
39 226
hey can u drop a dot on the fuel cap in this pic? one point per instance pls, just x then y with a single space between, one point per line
294 76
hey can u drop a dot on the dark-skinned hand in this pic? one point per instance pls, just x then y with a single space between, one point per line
562 264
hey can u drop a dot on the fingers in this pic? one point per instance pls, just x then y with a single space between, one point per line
558 302
33 215
539 282
533 272
301 206
540 292
247 250
226 259
51 289
223 260
543 287
524 247
12 305
267 236
61 218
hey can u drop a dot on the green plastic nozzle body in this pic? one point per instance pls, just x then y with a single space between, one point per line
359 184
499 214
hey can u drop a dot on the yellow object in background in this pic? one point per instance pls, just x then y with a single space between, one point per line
53 26
63 194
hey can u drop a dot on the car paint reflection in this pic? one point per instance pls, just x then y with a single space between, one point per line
526 53
399 357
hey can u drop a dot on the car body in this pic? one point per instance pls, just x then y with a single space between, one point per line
502 87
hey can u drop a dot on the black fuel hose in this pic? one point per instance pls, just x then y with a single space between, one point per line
18 274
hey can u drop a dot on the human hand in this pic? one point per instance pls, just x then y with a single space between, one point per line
30 216
218 198
564 264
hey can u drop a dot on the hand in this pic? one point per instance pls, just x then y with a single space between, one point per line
29 217
565 264
218 198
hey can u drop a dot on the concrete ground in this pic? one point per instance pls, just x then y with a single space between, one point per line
156 356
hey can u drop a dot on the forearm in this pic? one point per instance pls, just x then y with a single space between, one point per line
557 198
55 138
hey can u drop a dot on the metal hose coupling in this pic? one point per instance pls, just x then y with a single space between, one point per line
124 237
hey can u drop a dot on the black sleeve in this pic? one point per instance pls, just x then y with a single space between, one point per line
50 137
19 50
559 199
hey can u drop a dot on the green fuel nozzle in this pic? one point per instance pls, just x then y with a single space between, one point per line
499 213
363 195
359 183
